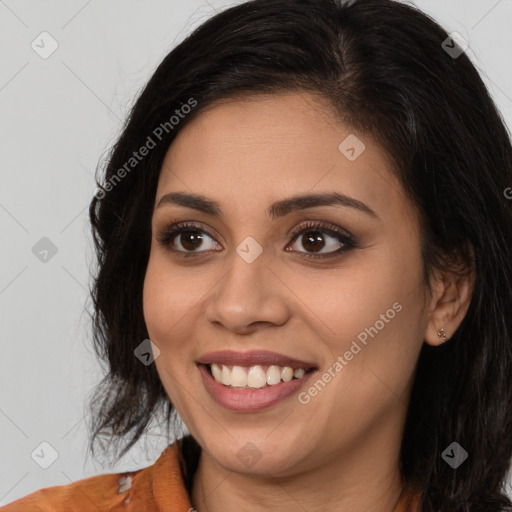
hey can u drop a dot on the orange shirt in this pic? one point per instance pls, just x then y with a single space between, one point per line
157 488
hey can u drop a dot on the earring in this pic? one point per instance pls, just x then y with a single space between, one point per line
441 333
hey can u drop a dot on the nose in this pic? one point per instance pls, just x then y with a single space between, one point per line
248 297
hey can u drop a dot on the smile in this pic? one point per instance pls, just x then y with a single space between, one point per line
254 377
252 381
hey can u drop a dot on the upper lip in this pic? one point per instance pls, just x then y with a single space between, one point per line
253 358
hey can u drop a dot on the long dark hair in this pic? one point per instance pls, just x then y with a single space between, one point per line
387 71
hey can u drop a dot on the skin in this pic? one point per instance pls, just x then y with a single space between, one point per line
340 451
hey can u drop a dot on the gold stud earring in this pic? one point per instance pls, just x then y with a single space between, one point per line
441 333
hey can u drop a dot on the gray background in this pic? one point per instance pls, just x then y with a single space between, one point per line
59 115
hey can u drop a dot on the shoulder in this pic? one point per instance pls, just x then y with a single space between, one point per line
102 492
110 492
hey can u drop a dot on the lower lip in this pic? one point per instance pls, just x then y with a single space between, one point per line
250 400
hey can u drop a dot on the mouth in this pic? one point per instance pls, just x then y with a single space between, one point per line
255 377
252 381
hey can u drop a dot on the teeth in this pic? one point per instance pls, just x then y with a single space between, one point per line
254 377
273 375
238 377
286 374
216 372
225 378
299 372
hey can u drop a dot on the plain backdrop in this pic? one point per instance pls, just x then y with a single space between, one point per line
59 115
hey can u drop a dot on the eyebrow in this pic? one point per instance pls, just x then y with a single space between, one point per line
275 210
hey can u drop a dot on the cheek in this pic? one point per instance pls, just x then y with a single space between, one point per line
169 297
162 314
373 351
371 312
347 301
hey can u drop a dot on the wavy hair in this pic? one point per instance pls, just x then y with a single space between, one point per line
386 72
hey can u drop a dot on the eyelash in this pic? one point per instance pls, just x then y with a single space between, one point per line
166 235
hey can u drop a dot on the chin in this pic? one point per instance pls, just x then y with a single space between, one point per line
255 453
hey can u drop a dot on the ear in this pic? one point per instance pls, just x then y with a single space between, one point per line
449 302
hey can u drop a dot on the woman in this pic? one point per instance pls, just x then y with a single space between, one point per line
304 239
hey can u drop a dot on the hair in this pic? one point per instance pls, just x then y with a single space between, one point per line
382 67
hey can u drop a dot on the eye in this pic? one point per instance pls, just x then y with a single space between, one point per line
322 240
186 238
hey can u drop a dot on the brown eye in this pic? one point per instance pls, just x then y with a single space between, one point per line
321 241
313 241
190 240
186 238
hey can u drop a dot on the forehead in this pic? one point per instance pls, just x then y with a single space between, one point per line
265 147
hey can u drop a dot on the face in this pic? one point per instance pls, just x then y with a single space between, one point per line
260 286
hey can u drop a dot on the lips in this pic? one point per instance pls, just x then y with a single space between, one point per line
251 381
247 359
